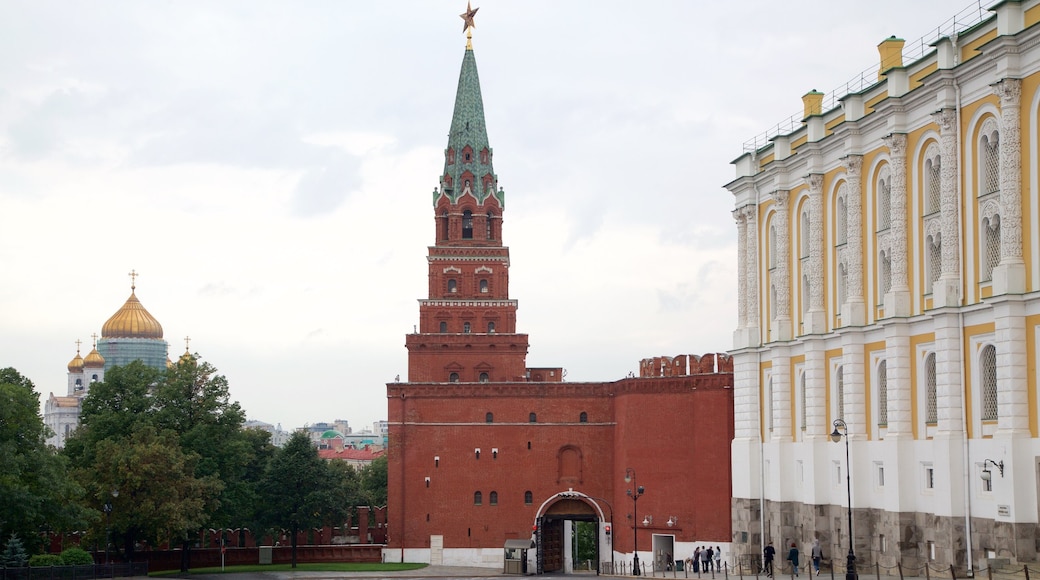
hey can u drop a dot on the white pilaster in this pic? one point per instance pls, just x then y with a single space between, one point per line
897 357
897 300
1009 277
854 310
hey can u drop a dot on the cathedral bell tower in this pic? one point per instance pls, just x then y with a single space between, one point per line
467 325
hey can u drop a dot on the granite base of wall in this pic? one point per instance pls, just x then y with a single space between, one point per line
884 539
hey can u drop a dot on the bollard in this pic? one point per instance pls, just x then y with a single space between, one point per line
927 571
953 573
877 570
1026 570
989 571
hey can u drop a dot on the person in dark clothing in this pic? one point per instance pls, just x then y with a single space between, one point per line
767 560
792 556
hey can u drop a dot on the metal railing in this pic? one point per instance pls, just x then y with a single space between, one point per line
123 570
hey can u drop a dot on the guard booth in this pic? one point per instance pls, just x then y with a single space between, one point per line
516 556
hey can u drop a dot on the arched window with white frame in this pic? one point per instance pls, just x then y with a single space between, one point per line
988 380
803 235
841 216
772 246
933 260
801 403
884 282
932 182
989 158
931 406
805 293
882 393
843 286
883 193
989 248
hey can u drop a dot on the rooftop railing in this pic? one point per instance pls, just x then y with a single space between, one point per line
968 17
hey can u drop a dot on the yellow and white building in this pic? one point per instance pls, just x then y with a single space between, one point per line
889 259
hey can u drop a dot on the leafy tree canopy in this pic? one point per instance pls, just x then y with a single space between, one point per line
35 490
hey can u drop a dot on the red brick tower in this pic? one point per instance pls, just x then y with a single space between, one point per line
467 325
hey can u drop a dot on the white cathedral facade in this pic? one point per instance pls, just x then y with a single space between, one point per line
889 259
132 333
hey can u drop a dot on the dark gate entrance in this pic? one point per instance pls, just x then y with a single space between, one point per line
549 539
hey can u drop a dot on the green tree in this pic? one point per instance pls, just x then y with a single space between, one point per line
35 489
373 482
14 555
188 408
299 490
113 410
159 494
193 401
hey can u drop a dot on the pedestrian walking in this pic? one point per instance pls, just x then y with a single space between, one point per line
767 559
817 555
792 556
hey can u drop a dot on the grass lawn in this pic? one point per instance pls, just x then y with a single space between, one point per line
327 567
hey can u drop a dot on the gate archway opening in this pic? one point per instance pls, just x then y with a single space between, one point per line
556 544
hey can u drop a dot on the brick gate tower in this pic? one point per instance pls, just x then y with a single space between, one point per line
467 325
487 456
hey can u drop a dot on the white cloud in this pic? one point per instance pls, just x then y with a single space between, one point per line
267 168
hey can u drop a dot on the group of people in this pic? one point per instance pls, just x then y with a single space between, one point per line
769 553
705 559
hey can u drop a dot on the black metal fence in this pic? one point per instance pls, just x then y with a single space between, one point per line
75 572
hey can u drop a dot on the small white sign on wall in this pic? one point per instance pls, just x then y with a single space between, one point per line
1004 511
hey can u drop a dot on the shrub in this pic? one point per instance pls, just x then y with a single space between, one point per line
45 560
76 557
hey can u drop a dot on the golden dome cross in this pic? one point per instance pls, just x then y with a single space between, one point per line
133 279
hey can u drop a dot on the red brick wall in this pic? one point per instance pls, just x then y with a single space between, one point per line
675 432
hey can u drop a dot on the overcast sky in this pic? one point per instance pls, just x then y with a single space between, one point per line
267 168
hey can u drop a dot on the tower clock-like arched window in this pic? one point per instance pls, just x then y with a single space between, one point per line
467 225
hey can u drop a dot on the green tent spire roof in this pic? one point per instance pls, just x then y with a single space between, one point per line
468 136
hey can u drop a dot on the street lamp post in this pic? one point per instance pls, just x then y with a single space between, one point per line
108 529
107 508
836 436
635 492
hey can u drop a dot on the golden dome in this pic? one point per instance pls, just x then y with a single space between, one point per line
76 364
132 321
94 359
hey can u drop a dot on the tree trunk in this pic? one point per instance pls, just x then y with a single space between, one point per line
295 528
185 555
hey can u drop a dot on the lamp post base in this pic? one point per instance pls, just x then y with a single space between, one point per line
635 565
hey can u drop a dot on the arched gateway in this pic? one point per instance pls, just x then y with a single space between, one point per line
552 532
